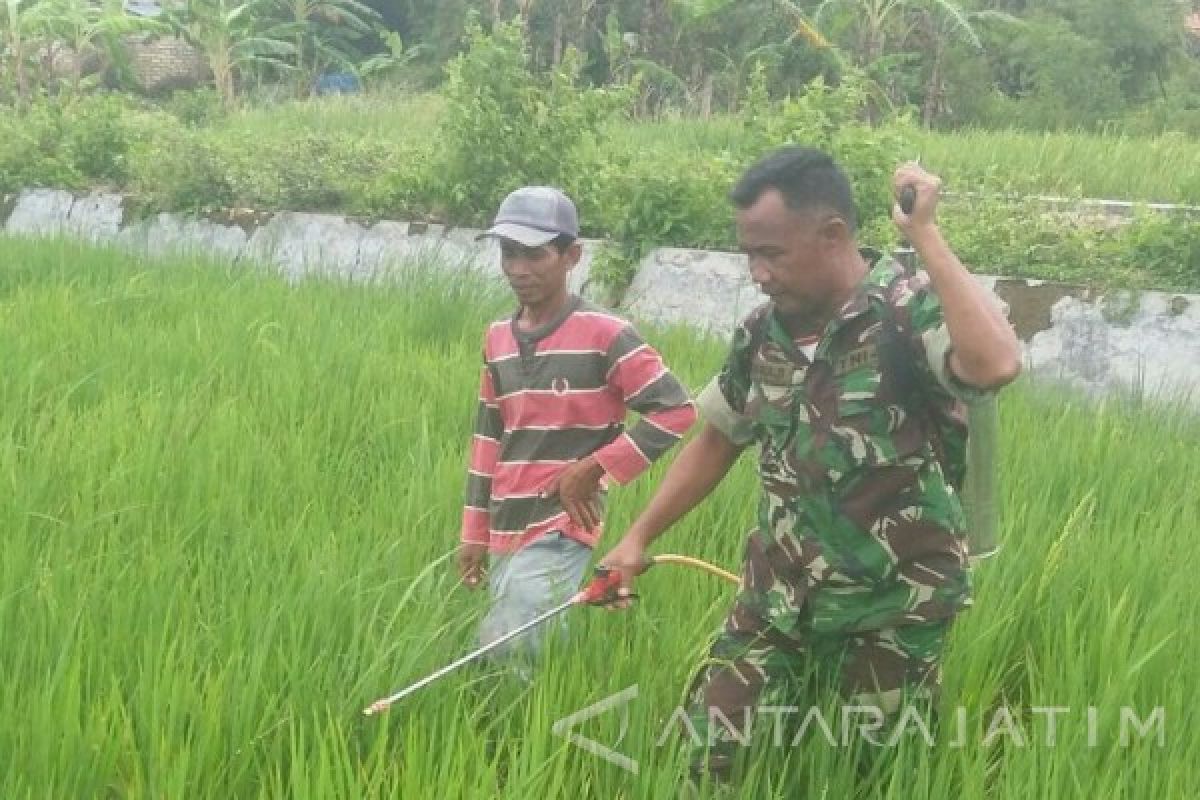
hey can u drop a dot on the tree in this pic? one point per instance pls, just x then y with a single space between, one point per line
33 33
1141 38
940 32
875 23
24 24
325 33
875 20
90 29
235 38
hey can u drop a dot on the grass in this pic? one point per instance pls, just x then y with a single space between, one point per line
1156 169
376 156
229 506
1163 168
1151 169
384 114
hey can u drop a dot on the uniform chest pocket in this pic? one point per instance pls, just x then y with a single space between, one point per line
873 427
776 393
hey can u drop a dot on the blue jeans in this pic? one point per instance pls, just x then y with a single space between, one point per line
534 579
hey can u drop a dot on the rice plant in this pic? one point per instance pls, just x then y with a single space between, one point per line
230 504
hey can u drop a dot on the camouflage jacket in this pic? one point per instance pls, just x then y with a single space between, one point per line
858 528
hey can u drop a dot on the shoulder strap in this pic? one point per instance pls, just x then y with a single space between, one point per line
897 359
757 326
977 479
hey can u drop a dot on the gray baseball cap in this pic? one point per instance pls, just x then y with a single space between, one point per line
534 215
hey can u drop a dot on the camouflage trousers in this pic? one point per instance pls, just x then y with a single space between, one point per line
864 686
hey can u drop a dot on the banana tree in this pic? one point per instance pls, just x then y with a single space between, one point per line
734 52
326 33
939 32
382 64
25 25
803 28
235 38
874 20
89 28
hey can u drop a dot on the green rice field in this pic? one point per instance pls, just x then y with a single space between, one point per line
230 504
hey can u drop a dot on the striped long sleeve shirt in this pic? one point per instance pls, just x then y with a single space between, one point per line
552 396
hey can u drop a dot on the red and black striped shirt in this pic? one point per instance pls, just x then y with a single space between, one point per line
552 396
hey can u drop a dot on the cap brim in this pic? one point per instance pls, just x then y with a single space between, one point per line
530 237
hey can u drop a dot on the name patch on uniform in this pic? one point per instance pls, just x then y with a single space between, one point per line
865 356
773 373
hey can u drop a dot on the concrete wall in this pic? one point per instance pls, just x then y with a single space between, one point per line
1147 342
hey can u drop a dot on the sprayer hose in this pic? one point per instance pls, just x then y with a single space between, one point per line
695 563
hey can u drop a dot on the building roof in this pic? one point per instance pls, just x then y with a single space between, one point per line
143 8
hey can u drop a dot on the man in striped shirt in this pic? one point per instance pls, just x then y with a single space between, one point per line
558 379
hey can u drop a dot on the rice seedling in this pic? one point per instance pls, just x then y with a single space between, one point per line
229 505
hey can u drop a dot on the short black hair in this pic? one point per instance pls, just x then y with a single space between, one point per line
806 177
562 242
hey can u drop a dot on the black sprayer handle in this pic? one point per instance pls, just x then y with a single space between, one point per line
908 198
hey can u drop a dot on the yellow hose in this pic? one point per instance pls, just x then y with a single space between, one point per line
695 563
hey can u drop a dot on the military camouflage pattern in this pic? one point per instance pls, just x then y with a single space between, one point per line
758 691
860 541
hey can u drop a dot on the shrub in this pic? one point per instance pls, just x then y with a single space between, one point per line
30 152
97 134
681 198
85 143
503 128
832 119
676 199
178 169
1166 248
650 185
1153 251
194 107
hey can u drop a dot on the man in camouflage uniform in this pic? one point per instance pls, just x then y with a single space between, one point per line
858 565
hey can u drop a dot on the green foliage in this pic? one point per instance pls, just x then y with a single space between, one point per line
45 45
190 169
179 169
503 127
97 133
637 184
831 119
387 65
236 39
85 143
1010 238
1164 247
194 107
325 34
611 270
1033 64
1138 40
1070 81
1153 251
31 153
310 172
641 203
401 188
680 197
1175 111
1162 168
